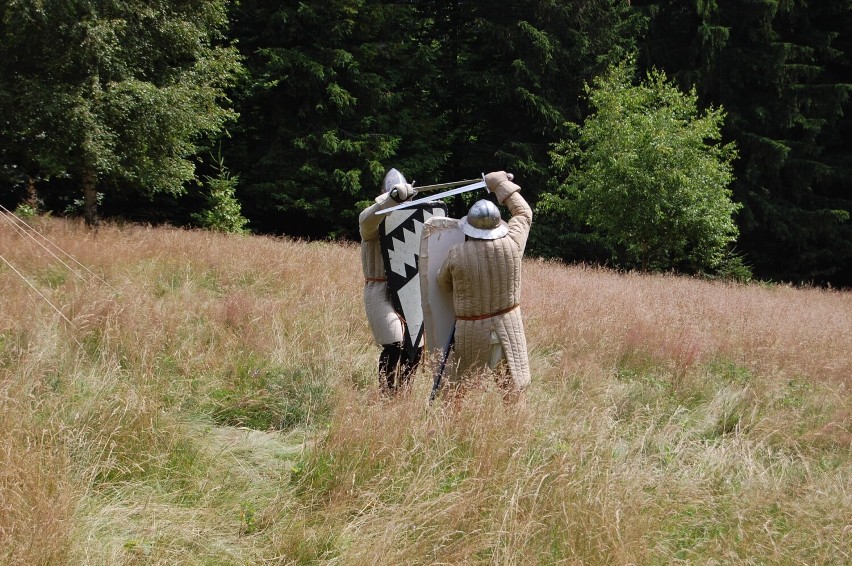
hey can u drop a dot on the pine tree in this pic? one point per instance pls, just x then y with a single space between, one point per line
514 74
334 100
781 71
341 91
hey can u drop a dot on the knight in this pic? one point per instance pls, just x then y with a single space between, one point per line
386 274
483 276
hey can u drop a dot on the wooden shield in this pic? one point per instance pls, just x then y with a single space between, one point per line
399 237
439 318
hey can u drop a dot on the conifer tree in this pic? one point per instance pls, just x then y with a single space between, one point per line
781 71
513 75
335 99
341 91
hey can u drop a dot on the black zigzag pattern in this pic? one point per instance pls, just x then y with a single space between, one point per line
393 242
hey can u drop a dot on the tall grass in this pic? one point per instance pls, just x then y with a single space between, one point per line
213 401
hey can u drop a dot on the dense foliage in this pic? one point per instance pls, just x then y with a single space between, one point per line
115 94
781 69
121 98
647 174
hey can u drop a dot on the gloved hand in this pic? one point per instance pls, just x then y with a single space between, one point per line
500 183
402 192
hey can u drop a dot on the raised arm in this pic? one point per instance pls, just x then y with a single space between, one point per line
508 194
368 220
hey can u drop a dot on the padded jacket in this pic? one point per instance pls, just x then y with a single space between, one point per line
385 323
484 277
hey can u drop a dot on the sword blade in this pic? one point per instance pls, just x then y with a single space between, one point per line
428 188
439 196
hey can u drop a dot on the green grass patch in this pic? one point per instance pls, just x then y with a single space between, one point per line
53 276
269 398
691 532
730 372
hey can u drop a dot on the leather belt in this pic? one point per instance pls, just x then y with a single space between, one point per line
375 280
484 316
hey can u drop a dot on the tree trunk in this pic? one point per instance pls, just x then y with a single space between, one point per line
90 198
32 194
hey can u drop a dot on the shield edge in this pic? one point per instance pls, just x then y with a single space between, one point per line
438 236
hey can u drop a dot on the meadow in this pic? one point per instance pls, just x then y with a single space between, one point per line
187 397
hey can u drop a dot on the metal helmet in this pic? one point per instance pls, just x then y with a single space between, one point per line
483 221
392 178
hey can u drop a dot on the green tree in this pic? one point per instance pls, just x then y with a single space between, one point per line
223 212
340 91
646 172
117 94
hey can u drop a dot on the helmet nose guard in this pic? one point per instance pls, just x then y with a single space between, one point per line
392 178
483 221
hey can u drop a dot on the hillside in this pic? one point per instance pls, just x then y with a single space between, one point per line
211 399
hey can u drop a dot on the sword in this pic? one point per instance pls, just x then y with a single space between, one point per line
451 184
439 196
436 381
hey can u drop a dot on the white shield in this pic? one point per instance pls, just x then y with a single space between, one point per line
439 235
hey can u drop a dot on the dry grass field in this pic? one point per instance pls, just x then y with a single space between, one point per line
196 398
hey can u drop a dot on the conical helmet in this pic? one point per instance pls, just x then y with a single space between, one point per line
483 221
392 178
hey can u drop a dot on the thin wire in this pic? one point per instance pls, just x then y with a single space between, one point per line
25 233
12 218
12 267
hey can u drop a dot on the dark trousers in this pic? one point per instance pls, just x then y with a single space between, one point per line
396 366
